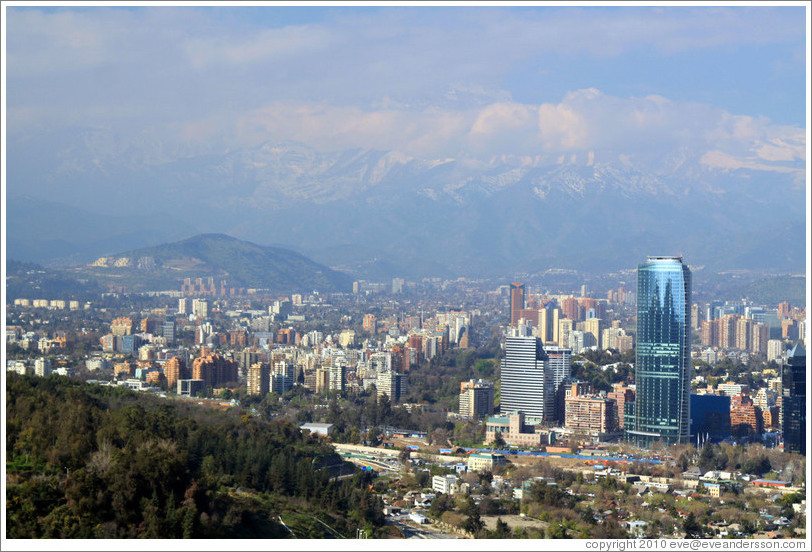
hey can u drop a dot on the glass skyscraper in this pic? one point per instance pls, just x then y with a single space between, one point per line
662 367
793 389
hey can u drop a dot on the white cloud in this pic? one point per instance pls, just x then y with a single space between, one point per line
593 125
429 82
721 160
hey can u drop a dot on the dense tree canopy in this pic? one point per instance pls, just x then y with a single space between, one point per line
87 461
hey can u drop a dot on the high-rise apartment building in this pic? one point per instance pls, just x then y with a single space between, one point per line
214 369
621 395
42 367
174 369
565 326
571 309
759 336
516 301
548 318
593 327
590 415
258 378
338 376
391 384
744 329
775 350
122 326
322 380
745 416
370 323
527 383
200 308
476 398
793 400
662 368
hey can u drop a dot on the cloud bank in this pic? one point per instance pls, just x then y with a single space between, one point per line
429 82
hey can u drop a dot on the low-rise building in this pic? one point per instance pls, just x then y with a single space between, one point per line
191 387
485 461
514 431
319 429
446 484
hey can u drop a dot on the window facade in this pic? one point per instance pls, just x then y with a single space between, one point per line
662 368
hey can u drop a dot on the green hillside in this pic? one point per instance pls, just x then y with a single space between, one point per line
771 291
85 461
240 263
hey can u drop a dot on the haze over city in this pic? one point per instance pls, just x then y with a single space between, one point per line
405 272
348 132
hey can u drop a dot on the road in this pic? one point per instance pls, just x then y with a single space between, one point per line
426 532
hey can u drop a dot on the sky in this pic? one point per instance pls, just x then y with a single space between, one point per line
428 81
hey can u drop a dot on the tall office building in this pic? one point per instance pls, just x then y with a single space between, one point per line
559 362
663 376
549 317
516 302
168 331
793 400
527 381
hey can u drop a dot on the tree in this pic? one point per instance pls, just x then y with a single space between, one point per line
421 478
692 528
501 531
441 504
498 440
556 530
474 523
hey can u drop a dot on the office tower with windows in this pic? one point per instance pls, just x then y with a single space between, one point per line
793 400
527 383
662 368
516 302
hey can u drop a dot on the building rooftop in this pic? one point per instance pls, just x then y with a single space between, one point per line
486 455
797 351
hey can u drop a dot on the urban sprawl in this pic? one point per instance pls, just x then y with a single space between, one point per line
482 409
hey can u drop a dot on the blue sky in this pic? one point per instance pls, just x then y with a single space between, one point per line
428 81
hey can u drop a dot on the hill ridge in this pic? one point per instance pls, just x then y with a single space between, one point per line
241 263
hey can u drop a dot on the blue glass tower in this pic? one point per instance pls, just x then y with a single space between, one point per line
662 367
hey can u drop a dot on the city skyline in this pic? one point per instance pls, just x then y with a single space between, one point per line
269 268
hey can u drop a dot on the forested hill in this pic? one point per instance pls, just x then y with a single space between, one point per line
85 461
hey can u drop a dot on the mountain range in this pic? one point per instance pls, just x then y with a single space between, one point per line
378 214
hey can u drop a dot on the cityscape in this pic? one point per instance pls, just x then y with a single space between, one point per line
463 403
448 291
